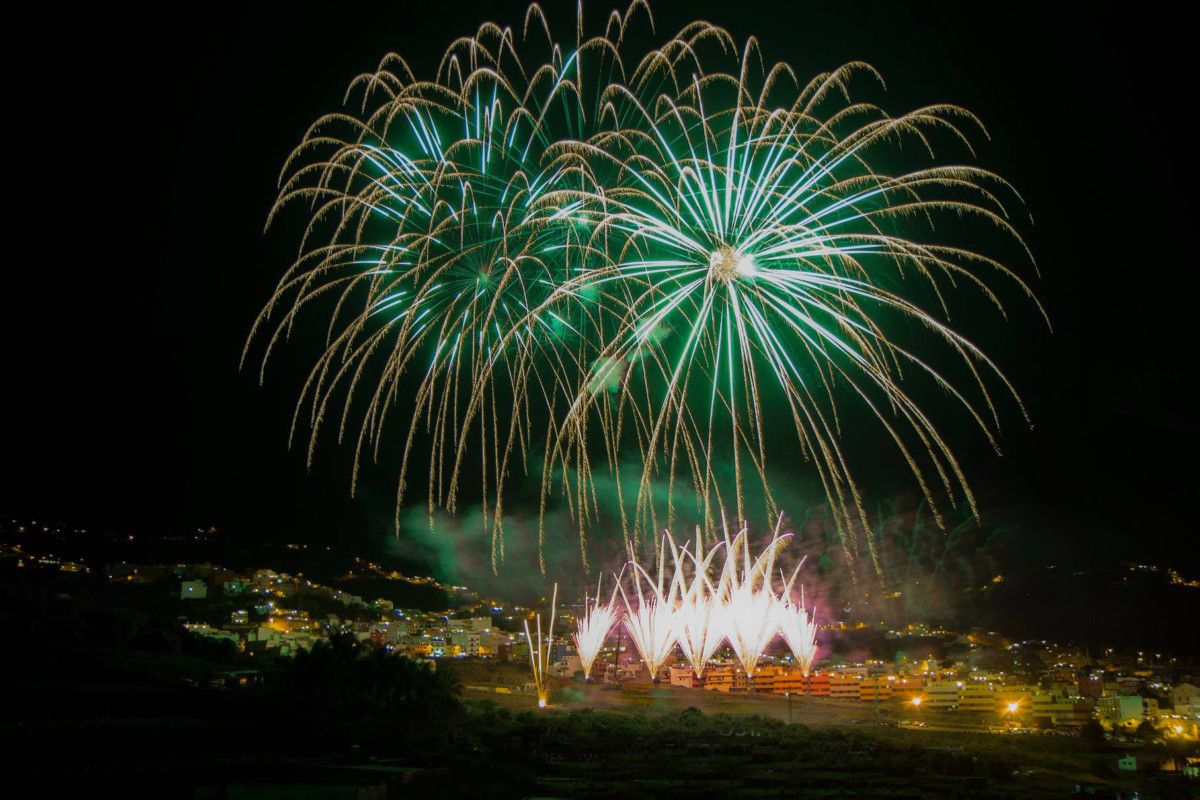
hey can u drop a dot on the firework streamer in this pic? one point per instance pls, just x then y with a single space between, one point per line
594 626
556 254
698 615
651 624
539 652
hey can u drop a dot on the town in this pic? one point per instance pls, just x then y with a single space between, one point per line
931 677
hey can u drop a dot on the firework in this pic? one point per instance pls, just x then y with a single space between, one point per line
750 607
743 608
593 627
652 624
698 616
539 655
799 630
650 251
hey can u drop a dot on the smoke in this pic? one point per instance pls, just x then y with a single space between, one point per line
927 573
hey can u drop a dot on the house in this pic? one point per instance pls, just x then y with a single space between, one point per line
1182 696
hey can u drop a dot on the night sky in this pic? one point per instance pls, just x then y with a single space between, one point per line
142 155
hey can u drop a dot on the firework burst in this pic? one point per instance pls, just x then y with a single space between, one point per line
749 605
743 607
799 629
554 254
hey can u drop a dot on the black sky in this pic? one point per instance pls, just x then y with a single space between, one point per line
142 154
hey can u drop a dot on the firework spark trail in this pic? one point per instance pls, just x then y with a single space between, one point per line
750 607
652 624
698 617
799 630
650 251
593 628
742 608
539 656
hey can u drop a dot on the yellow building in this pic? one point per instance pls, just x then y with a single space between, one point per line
977 698
725 678
845 686
1047 708
875 689
941 695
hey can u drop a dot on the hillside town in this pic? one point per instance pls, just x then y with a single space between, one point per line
980 676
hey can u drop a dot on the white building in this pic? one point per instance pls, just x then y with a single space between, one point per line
566 666
1182 696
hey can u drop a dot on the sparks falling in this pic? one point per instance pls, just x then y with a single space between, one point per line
554 252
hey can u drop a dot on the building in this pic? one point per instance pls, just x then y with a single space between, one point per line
470 624
1182 696
193 590
566 666
725 678
1047 709
1120 710
875 689
472 643
844 686
817 684
1090 686
977 698
941 695
684 676
778 680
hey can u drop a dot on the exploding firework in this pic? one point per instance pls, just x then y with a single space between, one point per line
553 253
539 652
593 627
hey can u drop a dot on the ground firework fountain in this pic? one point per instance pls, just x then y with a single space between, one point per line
744 607
539 652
